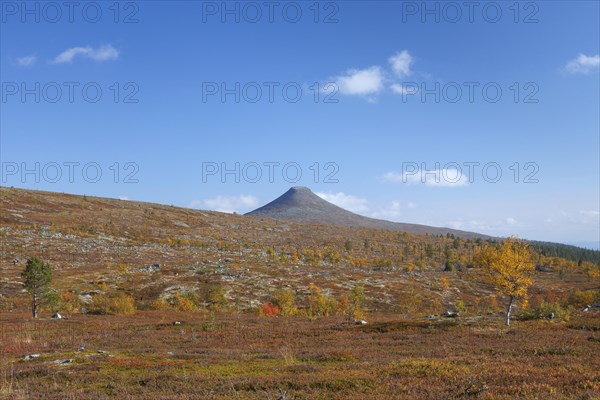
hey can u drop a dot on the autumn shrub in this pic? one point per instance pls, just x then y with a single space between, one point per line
269 310
356 300
160 305
545 311
331 255
68 302
460 306
285 301
319 304
216 298
445 283
116 303
184 301
581 298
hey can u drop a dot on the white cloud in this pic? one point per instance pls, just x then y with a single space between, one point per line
392 211
103 53
472 225
228 204
401 63
592 213
511 221
401 89
434 178
27 61
123 198
346 201
361 82
583 64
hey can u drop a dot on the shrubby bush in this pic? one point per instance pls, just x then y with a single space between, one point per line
269 310
285 300
116 303
185 301
545 311
581 298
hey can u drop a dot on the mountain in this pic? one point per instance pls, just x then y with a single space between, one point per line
301 204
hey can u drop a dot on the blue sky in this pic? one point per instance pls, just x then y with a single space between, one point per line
385 99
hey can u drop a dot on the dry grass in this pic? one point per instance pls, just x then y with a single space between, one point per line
99 247
145 356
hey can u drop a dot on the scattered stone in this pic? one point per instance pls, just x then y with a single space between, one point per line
56 316
587 308
177 323
150 268
551 316
64 362
451 314
30 357
80 349
475 388
361 322
170 353
431 316
16 261
85 298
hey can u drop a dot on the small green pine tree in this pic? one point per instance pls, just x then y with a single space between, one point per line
37 276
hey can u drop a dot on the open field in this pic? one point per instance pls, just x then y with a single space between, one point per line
153 251
146 356
163 264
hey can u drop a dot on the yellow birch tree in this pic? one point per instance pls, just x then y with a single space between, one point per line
510 268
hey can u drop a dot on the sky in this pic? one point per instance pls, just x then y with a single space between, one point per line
481 116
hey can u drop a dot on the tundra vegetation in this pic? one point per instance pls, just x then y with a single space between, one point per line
160 302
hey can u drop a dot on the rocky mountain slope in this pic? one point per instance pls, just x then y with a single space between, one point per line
301 204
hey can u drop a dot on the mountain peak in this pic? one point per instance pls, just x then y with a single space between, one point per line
300 203
300 189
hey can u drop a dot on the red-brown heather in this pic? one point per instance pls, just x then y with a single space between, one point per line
160 302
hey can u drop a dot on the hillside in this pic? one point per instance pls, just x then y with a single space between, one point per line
163 302
154 251
301 204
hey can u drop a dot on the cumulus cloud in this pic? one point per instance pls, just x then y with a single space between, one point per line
402 89
392 211
590 213
583 64
27 61
447 177
371 81
401 63
346 201
228 204
102 53
361 81
471 225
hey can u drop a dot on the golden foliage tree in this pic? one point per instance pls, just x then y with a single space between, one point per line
285 300
356 308
319 304
510 268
